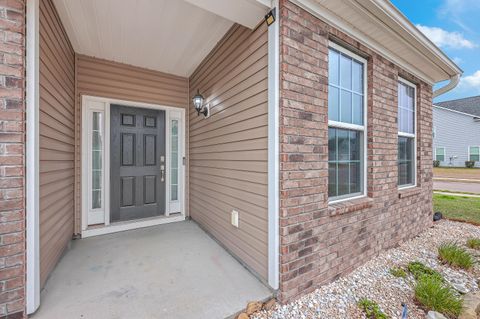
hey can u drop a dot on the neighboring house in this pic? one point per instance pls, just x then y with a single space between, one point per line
456 131
318 132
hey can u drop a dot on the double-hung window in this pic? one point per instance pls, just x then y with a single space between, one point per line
346 124
474 153
406 133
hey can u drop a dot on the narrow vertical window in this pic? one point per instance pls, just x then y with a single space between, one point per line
174 161
346 124
440 154
406 134
474 152
97 167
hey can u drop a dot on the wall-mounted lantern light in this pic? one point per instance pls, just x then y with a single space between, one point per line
198 104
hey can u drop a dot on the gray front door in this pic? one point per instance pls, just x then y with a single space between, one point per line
137 163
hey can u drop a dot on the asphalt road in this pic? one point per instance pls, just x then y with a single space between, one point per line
457 186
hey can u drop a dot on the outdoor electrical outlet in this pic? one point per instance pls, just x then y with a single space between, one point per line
235 218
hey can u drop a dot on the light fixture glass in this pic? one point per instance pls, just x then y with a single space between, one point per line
198 101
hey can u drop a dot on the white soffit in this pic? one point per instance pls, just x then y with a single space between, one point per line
381 27
171 36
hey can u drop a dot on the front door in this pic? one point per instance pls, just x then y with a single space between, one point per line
137 163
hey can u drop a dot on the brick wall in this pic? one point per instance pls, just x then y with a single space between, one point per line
319 242
12 137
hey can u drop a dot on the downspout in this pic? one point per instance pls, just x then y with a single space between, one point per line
454 80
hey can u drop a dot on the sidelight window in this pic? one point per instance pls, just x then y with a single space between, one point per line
97 159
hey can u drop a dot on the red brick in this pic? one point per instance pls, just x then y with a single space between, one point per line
320 242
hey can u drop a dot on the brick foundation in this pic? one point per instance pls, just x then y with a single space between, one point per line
319 242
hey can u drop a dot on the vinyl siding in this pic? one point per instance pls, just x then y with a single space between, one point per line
108 79
455 132
228 151
57 139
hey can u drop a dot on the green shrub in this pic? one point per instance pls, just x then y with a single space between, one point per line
434 295
454 255
418 270
371 309
398 272
469 164
436 163
473 243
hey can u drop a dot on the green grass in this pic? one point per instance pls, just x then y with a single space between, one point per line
454 255
434 295
398 272
473 243
371 309
419 270
459 208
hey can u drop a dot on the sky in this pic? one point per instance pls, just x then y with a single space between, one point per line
454 26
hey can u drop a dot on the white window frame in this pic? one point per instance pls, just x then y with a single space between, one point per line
102 215
362 128
444 153
414 136
469 147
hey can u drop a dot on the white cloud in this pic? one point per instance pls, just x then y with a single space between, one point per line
471 81
446 39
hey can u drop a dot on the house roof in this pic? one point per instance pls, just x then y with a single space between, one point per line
468 105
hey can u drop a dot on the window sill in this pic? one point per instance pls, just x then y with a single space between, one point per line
349 206
408 192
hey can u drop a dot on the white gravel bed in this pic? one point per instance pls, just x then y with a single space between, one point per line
374 281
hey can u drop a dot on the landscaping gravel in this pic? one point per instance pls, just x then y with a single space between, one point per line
374 281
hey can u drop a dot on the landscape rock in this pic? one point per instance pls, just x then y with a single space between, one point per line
243 315
253 307
374 281
269 305
471 306
435 315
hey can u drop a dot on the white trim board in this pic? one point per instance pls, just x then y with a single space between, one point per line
32 184
273 152
99 216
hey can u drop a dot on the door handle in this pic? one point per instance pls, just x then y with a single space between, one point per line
162 173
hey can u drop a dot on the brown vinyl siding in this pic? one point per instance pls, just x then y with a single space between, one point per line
57 139
101 78
228 151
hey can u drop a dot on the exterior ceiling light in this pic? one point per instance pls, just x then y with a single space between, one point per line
198 100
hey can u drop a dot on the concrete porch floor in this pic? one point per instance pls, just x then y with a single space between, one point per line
168 271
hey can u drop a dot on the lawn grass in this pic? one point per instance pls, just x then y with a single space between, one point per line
459 208
457 172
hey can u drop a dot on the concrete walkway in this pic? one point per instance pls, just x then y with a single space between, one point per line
456 194
456 186
167 271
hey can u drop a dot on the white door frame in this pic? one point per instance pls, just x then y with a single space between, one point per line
102 216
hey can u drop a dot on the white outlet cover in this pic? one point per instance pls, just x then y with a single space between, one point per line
234 218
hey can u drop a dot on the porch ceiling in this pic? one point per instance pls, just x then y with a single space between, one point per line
171 36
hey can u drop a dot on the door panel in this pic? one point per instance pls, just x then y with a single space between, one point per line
137 145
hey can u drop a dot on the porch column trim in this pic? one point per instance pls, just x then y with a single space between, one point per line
32 157
273 150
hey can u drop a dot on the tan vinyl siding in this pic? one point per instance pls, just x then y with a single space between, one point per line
57 139
228 151
96 77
